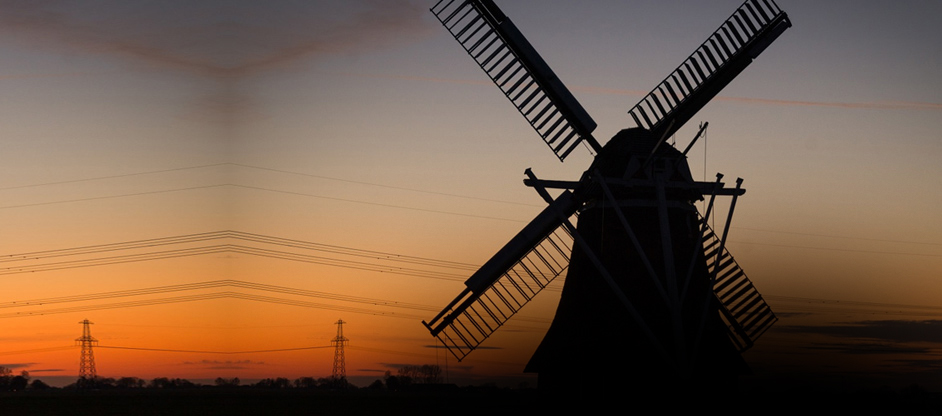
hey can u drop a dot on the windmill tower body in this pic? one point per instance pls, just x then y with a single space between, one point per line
678 335
650 287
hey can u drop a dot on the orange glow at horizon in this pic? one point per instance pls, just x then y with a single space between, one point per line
363 129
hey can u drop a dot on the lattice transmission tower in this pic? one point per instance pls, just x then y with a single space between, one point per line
340 366
87 360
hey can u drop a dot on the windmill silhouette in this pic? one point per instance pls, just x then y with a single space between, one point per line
649 284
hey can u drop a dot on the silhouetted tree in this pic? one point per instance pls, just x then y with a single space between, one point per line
396 383
332 383
93 383
274 383
6 375
38 384
19 383
166 383
376 385
227 382
306 383
9 382
422 374
130 383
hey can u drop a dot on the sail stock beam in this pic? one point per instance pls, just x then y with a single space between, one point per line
535 257
712 66
508 59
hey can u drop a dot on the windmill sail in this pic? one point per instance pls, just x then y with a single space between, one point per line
508 281
601 289
745 313
729 50
519 71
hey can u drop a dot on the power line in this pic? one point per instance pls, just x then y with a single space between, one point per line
212 285
99 248
357 201
215 327
235 295
386 186
379 204
207 296
242 165
848 250
242 296
25 262
230 248
97 198
211 352
352 251
220 295
37 350
237 235
258 188
882 240
21 262
124 175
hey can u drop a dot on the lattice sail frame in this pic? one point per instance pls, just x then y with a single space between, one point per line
517 69
732 47
746 314
462 328
512 64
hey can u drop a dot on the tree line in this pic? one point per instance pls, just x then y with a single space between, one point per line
165 383
406 376
20 382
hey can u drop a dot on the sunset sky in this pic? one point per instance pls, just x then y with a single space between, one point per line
362 132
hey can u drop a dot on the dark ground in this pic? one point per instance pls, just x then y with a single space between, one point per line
453 401
247 401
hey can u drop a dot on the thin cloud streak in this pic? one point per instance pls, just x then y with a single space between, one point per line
888 330
877 105
230 42
869 348
872 105
222 43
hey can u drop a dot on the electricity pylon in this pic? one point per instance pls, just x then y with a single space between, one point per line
87 360
340 366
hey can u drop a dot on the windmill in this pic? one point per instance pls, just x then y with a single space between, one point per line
650 286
